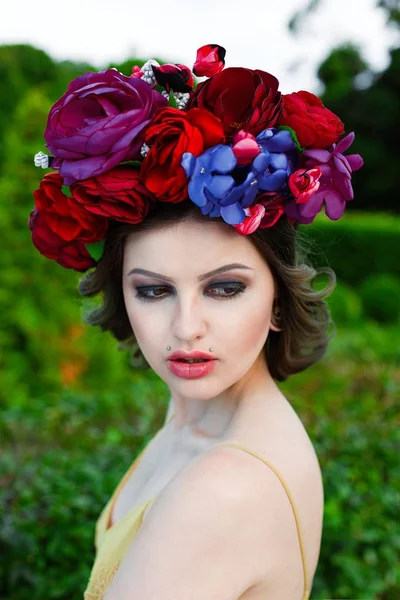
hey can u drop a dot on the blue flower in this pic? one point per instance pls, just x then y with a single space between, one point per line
221 188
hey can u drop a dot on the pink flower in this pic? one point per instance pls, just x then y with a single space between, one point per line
245 147
252 221
303 183
137 72
269 207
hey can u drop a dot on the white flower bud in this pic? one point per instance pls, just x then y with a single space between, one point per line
41 160
144 150
148 75
181 100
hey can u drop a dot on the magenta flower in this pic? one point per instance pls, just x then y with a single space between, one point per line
98 123
335 187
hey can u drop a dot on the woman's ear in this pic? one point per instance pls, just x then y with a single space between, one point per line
275 318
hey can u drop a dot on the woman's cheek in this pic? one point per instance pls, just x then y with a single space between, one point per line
248 327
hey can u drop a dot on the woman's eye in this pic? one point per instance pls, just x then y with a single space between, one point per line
150 293
229 290
220 290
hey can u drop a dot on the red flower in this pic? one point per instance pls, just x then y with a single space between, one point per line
210 60
241 98
117 194
274 205
303 183
254 214
178 78
315 125
171 134
61 227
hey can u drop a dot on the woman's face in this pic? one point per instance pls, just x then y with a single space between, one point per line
173 299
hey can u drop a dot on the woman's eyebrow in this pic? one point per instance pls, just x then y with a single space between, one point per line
200 277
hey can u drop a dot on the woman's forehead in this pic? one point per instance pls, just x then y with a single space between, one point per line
189 239
190 249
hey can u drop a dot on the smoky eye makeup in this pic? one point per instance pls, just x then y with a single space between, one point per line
227 289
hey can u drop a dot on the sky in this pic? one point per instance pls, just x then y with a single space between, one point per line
254 32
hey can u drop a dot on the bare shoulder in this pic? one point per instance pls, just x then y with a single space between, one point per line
202 536
280 438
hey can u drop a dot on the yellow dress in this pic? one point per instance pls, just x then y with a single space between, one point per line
112 541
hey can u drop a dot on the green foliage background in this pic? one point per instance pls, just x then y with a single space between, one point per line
74 413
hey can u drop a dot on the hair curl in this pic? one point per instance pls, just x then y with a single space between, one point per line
304 316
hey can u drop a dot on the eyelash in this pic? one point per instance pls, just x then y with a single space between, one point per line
143 291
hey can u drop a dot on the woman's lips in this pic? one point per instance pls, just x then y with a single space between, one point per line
191 370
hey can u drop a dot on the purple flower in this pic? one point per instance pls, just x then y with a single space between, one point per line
221 188
99 122
335 184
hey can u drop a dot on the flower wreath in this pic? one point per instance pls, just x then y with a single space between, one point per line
233 145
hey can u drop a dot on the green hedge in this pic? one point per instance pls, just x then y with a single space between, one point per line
376 298
345 305
65 453
357 245
381 297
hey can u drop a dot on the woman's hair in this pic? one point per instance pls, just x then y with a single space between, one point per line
304 316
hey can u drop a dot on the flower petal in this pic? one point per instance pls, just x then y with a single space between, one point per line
341 164
221 185
222 159
345 143
188 162
233 214
355 161
321 156
334 205
196 192
273 182
313 206
292 211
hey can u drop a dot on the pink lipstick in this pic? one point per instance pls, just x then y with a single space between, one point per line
191 365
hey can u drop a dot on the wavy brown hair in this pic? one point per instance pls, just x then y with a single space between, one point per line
304 317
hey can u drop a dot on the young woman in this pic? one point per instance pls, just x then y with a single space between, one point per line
226 501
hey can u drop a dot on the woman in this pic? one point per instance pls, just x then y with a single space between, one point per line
226 501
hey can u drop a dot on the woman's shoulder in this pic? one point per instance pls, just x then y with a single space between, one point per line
277 436
276 432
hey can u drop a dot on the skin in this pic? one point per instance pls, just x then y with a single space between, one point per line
189 314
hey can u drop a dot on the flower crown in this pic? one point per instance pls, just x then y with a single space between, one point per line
233 145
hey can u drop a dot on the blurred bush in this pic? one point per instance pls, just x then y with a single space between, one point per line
381 297
357 245
345 305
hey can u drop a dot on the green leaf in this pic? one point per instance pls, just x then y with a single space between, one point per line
132 163
95 250
66 190
294 136
171 100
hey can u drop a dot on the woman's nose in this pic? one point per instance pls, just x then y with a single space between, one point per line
188 319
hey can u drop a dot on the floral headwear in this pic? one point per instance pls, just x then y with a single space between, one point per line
233 145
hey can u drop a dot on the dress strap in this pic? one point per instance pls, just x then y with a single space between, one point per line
291 500
169 418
